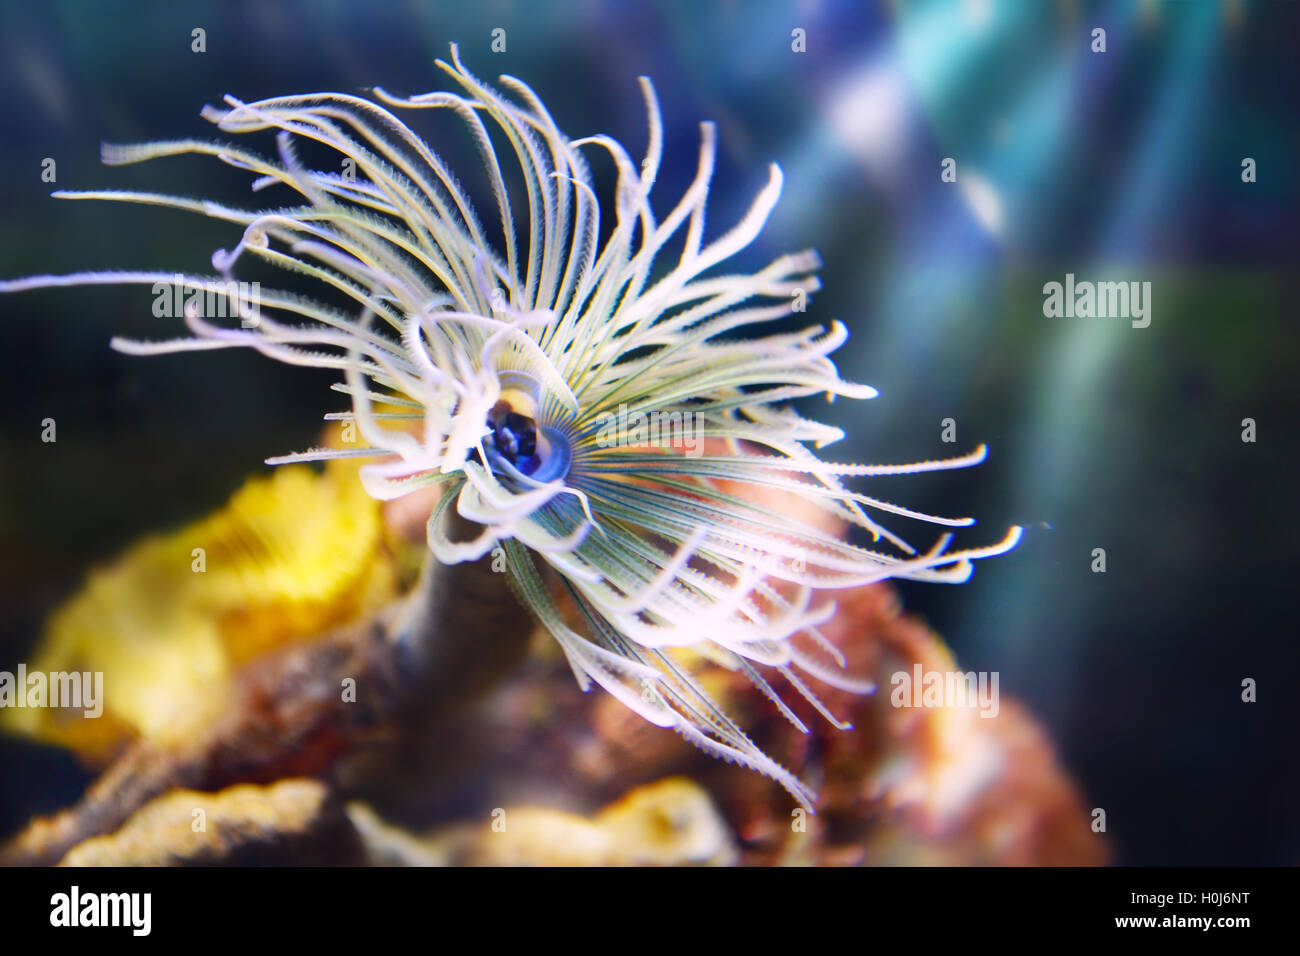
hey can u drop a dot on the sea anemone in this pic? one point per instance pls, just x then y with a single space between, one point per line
579 406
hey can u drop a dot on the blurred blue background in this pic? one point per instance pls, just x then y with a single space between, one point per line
1122 165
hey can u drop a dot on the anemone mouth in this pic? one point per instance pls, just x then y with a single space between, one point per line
514 436
521 449
525 442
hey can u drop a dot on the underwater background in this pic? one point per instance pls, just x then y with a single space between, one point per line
1122 165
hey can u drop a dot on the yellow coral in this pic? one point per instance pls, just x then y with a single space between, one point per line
672 822
289 557
162 832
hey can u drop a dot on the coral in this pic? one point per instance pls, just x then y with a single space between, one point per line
293 821
671 822
289 557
